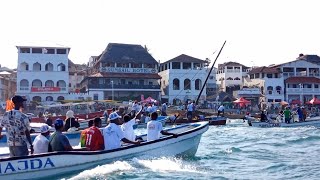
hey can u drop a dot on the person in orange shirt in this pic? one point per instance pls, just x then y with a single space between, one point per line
94 138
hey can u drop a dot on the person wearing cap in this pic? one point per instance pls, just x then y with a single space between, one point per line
58 141
18 128
71 123
154 128
41 142
113 135
94 138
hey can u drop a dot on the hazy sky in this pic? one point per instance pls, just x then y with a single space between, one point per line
258 32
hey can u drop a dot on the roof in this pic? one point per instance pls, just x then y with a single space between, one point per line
127 75
310 58
230 63
302 80
42 44
129 53
264 69
185 58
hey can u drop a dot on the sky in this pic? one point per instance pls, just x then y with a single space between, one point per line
258 32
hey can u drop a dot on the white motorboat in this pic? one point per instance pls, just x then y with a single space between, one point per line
279 122
58 163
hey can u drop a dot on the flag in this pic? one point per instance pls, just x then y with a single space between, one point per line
9 105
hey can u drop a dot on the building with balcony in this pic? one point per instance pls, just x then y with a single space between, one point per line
42 73
270 83
182 79
123 72
8 84
301 78
230 76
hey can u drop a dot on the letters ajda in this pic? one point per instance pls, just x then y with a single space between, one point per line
24 165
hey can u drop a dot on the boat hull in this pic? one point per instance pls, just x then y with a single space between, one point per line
217 121
315 123
58 163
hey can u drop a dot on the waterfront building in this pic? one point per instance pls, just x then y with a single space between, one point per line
42 73
230 76
182 79
8 83
123 72
77 73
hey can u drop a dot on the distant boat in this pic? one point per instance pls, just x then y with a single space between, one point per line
254 122
59 163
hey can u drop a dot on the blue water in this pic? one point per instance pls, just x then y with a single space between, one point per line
234 151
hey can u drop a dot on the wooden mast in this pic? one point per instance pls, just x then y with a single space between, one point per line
205 82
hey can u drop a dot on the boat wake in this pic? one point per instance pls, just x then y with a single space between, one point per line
167 164
101 171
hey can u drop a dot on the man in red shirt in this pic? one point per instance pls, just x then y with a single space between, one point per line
94 138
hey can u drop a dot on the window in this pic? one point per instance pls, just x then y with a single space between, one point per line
129 82
61 51
141 82
50 51
48 67
36 50
150 83
60 98
24 50
61 67
123 81
251 76
278 89
61 83
276 75
262 75
69 84
229 78
24 83
269 75
308 85
176 84
210 77
36 66
135 65
316 86
198 84
236 78
270 100
49 83
149 65
176 65
24 66
294 86
186 65
187 84
269 89
36 83
36 98
96 97
124 65
257 75
196 66
100 81
49 98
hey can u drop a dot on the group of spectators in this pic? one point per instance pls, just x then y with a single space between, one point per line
119 129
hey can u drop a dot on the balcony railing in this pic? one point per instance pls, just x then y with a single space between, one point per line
123 86
302 90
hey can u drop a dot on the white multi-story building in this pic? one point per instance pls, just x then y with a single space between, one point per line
42 73
230 76
182 78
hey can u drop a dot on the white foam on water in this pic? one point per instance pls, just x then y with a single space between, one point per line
102 171
167 164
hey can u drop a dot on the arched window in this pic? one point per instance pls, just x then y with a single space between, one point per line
62 85
198 84
278 89
36 67
36 83
60 98
229 78
61 67
176 84
187 84
36 98
236 78
49 67
49 98
49 83
269 89
24 84
24 66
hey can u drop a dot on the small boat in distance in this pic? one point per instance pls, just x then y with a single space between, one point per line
315 121
51 164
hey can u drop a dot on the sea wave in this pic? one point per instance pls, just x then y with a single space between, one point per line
101 171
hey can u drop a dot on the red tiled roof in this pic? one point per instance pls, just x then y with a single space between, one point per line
264 69
302 80
127 75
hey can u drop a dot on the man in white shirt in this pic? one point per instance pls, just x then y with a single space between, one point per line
155 128
41 142
221 110
113 135
190 109
127 127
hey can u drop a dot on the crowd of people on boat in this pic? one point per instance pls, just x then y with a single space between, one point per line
119 129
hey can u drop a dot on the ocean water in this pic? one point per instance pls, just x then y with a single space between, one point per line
234 151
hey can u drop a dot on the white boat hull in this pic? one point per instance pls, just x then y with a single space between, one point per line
315 123
58 163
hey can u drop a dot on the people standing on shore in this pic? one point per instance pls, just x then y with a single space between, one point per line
18 128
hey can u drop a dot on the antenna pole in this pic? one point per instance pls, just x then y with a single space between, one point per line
205 82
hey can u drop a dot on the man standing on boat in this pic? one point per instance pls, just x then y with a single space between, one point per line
155 128
59 141
190 109
94 138
41 142
287 115
221 110
113 134
18 128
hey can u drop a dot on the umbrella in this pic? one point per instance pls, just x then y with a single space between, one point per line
314 101
284 103
242 100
